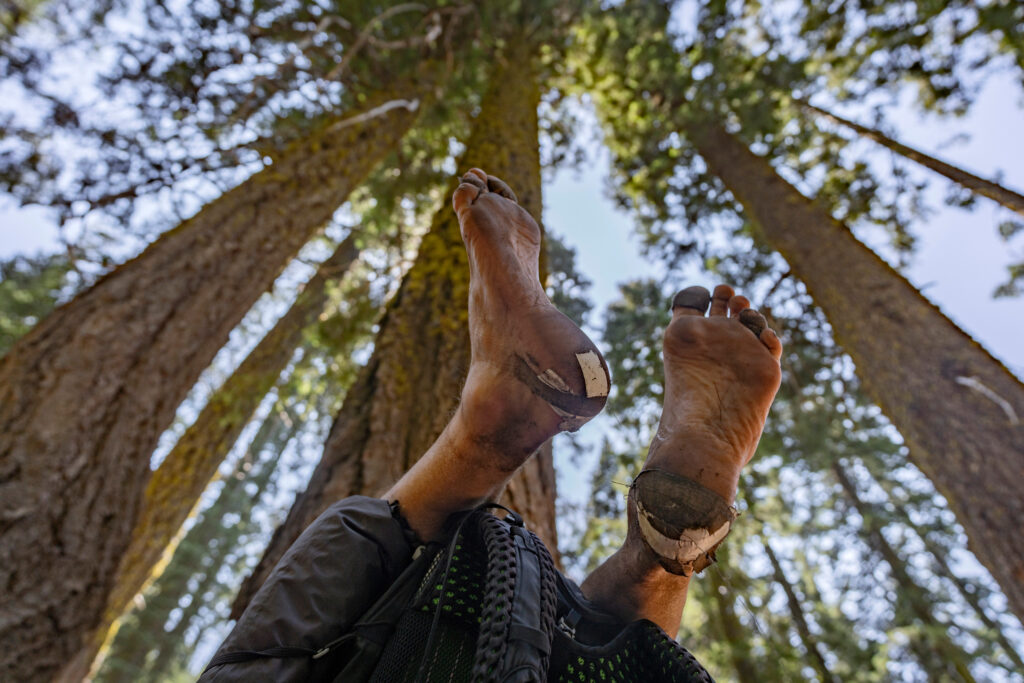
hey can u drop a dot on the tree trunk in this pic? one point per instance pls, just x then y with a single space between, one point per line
940 657
86 394
958 408
799 619
200 554
735 634
175 487
411 384
1013 201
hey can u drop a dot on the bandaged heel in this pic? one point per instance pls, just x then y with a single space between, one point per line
680 520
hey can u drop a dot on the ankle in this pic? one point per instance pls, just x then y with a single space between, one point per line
678 522
632 585
700 456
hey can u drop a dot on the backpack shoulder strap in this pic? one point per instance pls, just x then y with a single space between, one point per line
514 645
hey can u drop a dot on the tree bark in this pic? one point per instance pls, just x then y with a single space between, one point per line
940 657
175 487
1013 201
957 407
799 619
411 385
86 394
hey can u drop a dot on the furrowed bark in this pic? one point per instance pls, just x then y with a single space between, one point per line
958 408
1013 201
175 487
411 385
86 394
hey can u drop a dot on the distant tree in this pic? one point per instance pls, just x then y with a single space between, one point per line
151 638
30 288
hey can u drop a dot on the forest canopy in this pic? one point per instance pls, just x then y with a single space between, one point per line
249 242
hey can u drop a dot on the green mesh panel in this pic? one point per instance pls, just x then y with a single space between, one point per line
452 659
462 595
642 652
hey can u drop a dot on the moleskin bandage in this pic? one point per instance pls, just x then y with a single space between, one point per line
574 410
680 520
594 376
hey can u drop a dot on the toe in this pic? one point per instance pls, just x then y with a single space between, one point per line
464 196
720 300
771 342
753 321
477 177
691 301
499 186
472 185
738 304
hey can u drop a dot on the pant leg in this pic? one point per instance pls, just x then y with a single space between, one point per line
326 580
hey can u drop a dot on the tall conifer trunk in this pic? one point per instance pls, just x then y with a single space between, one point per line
796 610
959 409
86 394
175 487
1013 201
411 385
940 658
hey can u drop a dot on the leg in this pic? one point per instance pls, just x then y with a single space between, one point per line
721 375
532 373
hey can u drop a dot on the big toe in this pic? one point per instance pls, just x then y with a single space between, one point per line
472 185
691 301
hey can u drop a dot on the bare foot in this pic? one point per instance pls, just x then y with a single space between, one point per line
721 375
533 372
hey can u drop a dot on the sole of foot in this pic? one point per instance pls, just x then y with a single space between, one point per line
721 375
533 372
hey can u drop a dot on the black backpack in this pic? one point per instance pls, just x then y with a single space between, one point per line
490 606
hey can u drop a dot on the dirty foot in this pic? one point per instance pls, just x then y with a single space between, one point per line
721 375
533 372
